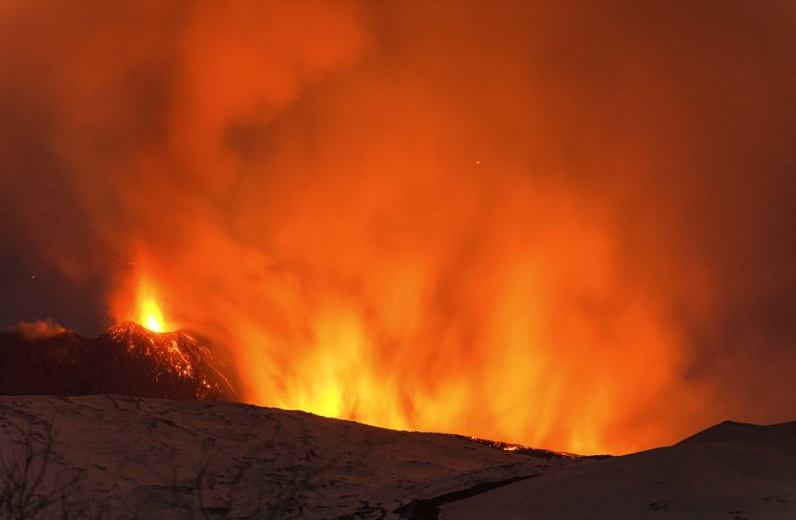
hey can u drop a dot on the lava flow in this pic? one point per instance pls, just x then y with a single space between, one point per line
175 355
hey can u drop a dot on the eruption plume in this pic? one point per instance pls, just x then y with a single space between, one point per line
149 313
533 222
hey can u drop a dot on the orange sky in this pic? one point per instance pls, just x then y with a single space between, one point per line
563 224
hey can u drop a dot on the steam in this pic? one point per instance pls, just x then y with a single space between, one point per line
526 223
35 330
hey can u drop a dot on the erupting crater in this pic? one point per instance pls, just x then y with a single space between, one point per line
127 359
175 356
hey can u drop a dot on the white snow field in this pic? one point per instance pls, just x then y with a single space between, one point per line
127 457
108 456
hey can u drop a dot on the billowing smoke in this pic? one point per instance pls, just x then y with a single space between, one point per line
568 225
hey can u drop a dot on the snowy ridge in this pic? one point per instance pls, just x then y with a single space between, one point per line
150 458
731 471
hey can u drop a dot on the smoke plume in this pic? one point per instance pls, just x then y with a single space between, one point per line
564 224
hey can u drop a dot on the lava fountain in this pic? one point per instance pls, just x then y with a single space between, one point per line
150 315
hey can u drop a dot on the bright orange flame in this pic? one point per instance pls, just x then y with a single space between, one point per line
150 315
140 302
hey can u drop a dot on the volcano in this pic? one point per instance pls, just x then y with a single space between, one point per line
127 359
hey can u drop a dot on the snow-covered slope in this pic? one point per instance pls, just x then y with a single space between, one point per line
126 457
117 457
732 471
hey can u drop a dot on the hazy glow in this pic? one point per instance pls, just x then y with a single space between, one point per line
538 222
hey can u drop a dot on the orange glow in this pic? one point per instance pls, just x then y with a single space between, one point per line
497 221
513 352
150 315
408 271
139 302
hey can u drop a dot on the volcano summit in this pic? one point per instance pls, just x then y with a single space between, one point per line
127 359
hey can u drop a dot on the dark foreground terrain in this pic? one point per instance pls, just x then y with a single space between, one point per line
109 456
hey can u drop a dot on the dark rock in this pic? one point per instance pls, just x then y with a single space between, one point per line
127 359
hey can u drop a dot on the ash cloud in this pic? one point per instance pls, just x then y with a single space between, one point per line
568 225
